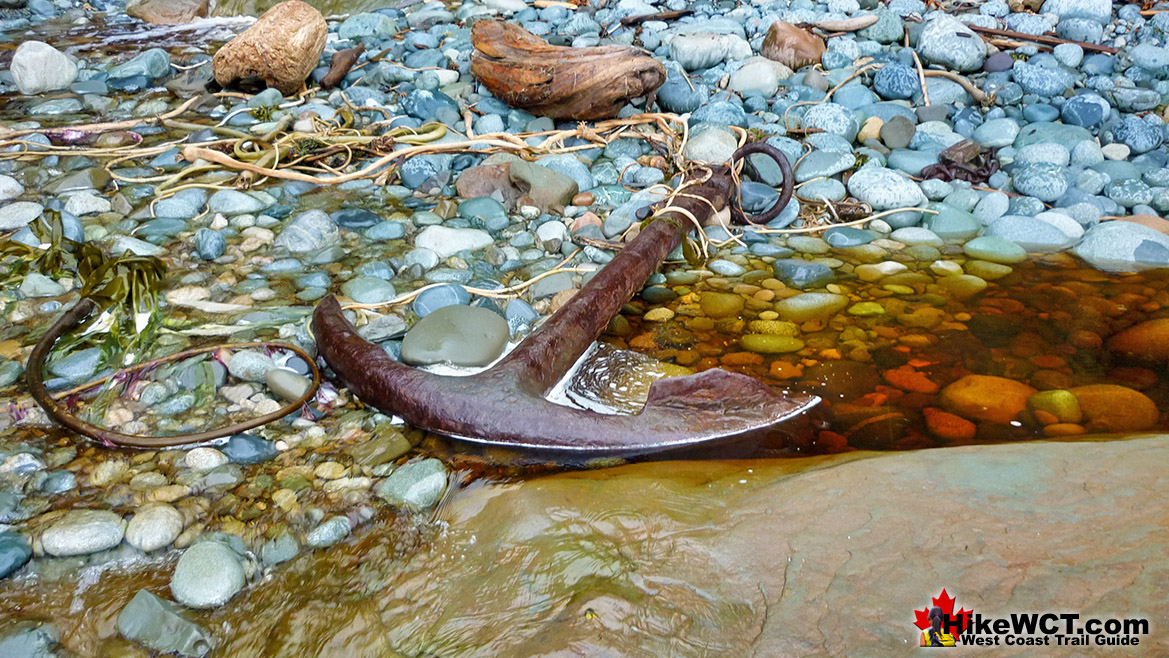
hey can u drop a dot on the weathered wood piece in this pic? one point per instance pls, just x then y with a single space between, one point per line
279 50
340 65
526 72
792 46
1045 39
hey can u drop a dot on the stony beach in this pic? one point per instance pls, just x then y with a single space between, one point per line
974 255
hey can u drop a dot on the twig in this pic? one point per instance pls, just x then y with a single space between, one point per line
106 126
630 21
925 92
1043 38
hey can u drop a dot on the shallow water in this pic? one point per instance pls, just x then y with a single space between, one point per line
561 576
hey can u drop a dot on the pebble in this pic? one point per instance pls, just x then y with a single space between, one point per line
329 532
458 335
418 485
154 526
83 531
38 67
207 575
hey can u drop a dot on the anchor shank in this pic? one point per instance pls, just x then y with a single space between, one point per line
550 351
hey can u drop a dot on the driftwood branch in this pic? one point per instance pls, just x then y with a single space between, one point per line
526 72
1045 39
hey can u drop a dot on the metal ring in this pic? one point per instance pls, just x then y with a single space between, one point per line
785 194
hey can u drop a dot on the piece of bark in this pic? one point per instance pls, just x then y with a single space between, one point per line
847 25
168 12
630 21
524 71
962 152
340 65
279 50
795 47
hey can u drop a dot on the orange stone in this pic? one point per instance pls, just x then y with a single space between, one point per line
1049 361
742 359
983 397
909 379
1147 341
1112 408
947 426
1063 429
785 370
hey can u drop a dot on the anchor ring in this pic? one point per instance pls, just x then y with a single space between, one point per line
785 194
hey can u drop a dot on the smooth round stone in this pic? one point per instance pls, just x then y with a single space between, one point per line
725 267
248 449
1138 134
386 231
329 532
81 532
995 250
1060 403
998 62
987 270
865 309
1040 112
801 274
207 575
916 235
832 118
983 397
1085 110
806 244
962 286
830 189
209 244
1043 181
354 218
819 164
286 384
154 526
952 224
997 133
884 189
1123 247
417 485
847 236
810 306
721 304
433 299
369 290
250 366
1112 408
14 552
877 271
896 82
204 459
770 344
1030 233
459 335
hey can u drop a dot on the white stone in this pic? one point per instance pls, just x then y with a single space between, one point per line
759 74
1116 151
884 189
714 144
154 526
204 459
207 575
553 230
10 188
38 67
19 214
1065 224
87 203
946 40
447 242
81 532
945 268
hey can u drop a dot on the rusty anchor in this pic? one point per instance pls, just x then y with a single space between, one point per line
505 406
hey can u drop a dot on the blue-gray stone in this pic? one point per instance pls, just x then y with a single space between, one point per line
14 552
1080 29
10 371
1041 180
1135 99
417 485
367 25
832 118
423 105
1030 233
308 232
896 82
417 170
77 365
801 273
248 449
1086 110
154 64
369 290
389 230
1041 80
1123 247
1041 112
157 624
55 483
329 532
756 197
997 133
847 236
435 298
1137 134
209 244
723 112
679 96
232 202
519 315
353 218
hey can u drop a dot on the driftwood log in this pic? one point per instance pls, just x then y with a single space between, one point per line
524 71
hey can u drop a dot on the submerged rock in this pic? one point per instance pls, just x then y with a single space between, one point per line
83 531
417 485
982 397
207 575
156 624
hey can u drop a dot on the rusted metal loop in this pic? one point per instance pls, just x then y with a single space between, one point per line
57 411
785 194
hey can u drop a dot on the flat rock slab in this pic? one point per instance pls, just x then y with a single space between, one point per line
801 557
